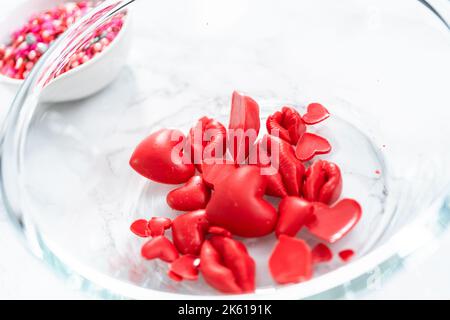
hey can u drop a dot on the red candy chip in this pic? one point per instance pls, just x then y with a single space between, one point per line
189 231
293 214
244 126
226 265
185 267
291 261
159 248
311 145
321 253
192 196
316 113
140 228
331 224
219 231
157 225
346 255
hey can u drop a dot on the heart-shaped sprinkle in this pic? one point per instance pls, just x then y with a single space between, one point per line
140 228
346 255
226 265
157 226
321 253
311 145
189 231
194 195
185 267
159 248
293 214
237 204
316 113
219 231
291 261
331 224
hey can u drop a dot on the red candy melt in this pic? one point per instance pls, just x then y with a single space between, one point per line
346 255
140 228
185 267
192 196
293 213
287 124
159 248
321 253
323 182
316 113
157 226
311 145
189 231
291 261
226 265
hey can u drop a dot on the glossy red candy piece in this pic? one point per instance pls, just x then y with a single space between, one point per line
226 265
140 228
159 248
333 223
289 167
291 261
160 158
185 267
311 145
243 127
208 139
293 214
192 196
189 231
315 113
323 182
286 124
174 276
157 225
219 231
213 173
321 253
346 255
237 204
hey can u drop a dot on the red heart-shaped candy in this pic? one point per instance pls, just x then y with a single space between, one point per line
157 225
160 158
293 214
331 224
189 231
185 267
159 248
192 196
316 113
140 228
237 204
310 145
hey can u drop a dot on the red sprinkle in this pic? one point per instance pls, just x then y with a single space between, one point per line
346 255
321 253
291 261
140 228
311 145
316 113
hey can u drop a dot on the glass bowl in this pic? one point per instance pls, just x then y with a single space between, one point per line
381 69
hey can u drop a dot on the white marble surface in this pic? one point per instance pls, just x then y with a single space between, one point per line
23 276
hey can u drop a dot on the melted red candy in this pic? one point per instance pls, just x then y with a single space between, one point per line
244 117
226 265
346 255
192 196
189 231
293 213
157 226
218 231
153 158
286 124
159 248
323 182
208 139
321 253
291 261
185 267
332 223
140 228
237 204
316 113
311 145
